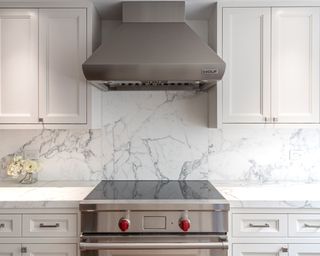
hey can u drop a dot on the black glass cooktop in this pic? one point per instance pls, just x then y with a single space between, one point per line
151 190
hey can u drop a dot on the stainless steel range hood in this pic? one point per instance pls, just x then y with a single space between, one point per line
153 49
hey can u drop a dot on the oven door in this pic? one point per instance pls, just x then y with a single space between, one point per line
149 245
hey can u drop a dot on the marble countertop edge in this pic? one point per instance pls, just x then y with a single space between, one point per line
68 194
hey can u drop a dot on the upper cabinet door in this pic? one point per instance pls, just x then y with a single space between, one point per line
295 65
18 66
62 49
246 51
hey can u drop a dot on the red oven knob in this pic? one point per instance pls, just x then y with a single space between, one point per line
124 224
185 224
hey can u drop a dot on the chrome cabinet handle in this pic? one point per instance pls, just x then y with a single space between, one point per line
275 119
259 226
24 249
49 226
140 246
265 119
2 225
311 226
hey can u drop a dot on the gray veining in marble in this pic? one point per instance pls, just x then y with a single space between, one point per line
141 138
164 135
158 135
63 154
264 154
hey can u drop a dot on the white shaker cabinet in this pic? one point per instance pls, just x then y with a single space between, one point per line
275 231
38 249
304 249
62 50
246 51
39 232
272 57
259 249
18 66
295 65
49 249
10 249
41 55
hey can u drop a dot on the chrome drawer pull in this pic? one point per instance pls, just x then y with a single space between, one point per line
152 246
49 226
259 226
2 225
311 226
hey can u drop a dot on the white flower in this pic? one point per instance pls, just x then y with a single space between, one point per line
15 167
19 166
30 166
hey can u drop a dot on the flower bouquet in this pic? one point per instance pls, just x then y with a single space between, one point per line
25 168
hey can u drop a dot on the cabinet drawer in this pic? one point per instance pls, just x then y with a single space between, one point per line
50 249
50 225
259 225
259 249
307 225
10 225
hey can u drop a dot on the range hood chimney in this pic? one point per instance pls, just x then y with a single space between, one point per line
153 49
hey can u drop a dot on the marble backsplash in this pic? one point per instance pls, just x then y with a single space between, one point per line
164 135
264 154
158 135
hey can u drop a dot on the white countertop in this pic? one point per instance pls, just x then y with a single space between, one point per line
272 195
50 194
57 194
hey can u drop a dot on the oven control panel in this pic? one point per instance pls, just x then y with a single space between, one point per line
154 221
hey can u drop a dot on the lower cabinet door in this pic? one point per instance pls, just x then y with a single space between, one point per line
304 249
49 249
260 249
10 249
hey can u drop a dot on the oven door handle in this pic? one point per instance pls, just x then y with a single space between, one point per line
151 246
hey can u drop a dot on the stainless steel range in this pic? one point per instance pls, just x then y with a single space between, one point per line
154 218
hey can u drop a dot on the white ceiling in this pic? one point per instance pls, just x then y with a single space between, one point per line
195 9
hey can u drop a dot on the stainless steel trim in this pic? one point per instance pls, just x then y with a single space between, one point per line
150 205
152 85
137 246
49 226
96 237
259 226
311 226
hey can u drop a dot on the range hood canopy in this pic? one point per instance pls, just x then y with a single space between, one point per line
153 49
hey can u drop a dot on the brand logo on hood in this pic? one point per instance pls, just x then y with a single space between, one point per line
209 71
